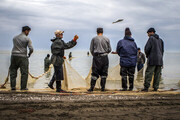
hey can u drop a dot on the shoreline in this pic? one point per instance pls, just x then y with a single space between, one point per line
113 105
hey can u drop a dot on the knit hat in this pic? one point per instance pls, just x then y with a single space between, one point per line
127 32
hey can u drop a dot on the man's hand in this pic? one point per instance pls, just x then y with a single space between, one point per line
29 55
75 38
113 52
64 57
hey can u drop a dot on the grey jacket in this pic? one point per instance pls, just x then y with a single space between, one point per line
100 45
57 49
20 44
154 50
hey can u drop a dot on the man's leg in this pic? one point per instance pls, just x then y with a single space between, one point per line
94 74
13 72
148 76
123 73
157 76
131 72
104 71
24 63
52 81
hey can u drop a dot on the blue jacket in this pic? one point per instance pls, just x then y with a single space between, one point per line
127 50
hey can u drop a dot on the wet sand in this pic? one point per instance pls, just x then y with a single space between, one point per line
113 105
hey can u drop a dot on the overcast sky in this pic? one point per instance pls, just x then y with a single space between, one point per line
82 17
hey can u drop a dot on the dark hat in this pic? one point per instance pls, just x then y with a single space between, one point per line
151 30
99 30
127 31
139 48
24 28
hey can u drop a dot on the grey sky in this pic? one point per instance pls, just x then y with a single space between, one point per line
82 17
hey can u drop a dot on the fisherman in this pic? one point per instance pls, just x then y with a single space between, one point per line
47 63
19 58
57 49
140 59
88 53
154 50
100 48
127 50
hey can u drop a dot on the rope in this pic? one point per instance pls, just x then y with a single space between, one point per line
7 78
41 74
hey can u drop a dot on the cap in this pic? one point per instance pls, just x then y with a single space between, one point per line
151 30
58 32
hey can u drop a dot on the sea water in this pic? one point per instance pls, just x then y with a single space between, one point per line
81 62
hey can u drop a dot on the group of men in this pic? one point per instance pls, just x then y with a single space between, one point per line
100 48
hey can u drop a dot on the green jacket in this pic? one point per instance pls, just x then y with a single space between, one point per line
57 49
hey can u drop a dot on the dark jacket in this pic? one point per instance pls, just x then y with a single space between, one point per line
154 50
141 58
47 63
57 49
127 50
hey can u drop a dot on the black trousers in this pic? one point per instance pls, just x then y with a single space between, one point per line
127 71
100 67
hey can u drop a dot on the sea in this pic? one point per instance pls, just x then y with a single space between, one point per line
81 62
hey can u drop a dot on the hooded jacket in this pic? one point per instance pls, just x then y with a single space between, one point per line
57 49
127 50
154 50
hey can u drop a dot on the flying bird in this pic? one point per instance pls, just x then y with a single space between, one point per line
120 20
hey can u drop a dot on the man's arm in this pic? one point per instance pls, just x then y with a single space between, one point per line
30 48
71 43
92 47
109 46
147 48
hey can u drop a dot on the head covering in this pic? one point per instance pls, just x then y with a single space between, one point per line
24 28
151 30
127 32
139 48
58 32
99 30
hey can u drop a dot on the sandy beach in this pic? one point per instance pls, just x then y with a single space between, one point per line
114 105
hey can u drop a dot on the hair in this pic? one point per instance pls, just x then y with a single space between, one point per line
139 48
127 32
99 30
48 55
24 28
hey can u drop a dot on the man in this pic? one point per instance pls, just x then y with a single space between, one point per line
127 50
19 58
47 63
100 48
140 60
154 50
57 49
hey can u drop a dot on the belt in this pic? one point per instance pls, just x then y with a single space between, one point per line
100 54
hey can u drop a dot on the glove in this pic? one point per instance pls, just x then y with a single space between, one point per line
75 38
64 57
29 55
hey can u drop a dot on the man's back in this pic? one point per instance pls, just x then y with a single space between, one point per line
100 44
154 50
20 44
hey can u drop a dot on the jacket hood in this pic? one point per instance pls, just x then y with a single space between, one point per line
54 39
156 36
128 38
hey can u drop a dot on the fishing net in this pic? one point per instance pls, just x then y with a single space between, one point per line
73 80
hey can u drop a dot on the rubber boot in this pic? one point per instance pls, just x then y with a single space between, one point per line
103 83
93 83
52 82
58 87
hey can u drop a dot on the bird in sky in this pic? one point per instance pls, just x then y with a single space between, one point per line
119 20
